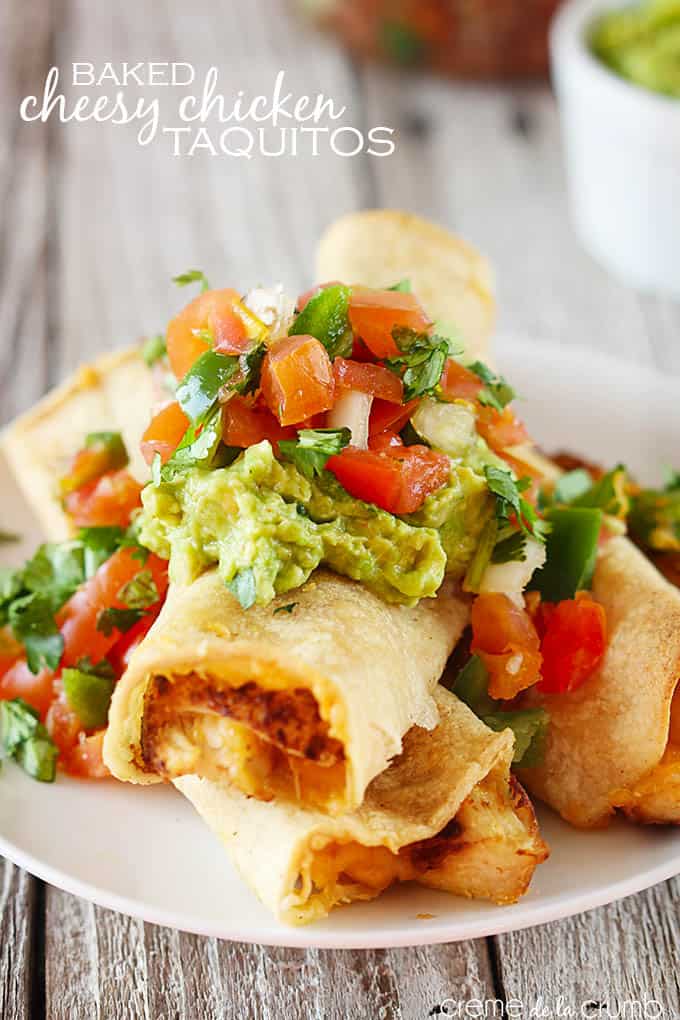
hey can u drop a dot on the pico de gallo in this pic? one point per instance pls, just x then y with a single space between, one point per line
71 616
348 429
345 429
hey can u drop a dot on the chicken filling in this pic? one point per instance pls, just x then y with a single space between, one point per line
266 742
489 850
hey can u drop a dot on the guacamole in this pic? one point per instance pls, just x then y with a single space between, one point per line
268 527
642 43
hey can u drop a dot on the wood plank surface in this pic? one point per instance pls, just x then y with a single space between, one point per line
17 930
622 960
92 227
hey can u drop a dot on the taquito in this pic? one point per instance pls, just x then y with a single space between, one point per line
305 702
446 814
114 392
615 741
378 247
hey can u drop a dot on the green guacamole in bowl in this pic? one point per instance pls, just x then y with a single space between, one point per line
642 43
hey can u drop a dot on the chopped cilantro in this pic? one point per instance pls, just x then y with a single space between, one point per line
243 587
24 738
192 276
326 317
154 349
509 501
101 668
510 548
421 361
403 286
312 449
121 620
31 618
140 592
285 609
497 392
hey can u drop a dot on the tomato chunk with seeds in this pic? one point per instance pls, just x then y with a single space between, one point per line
86 758
500 428
34 688
458 382
109 500
574 642
246 423
373 314
297 379
386 416
209 320
505 638
164 433
397 478
78 619
374 379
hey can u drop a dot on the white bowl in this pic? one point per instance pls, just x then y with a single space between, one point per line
622 147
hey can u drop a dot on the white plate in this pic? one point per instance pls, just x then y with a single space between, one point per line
144 852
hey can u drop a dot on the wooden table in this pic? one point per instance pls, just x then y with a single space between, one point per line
92 227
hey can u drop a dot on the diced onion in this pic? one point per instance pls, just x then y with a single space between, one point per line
512 578
351 411
272 307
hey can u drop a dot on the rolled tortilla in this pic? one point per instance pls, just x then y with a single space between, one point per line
610 743
113 393
306 699
379 247
446 814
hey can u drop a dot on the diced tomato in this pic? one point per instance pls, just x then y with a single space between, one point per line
373 314
360 352
458 382
164 433
388 417
297 379
398 478
246 423
383 440
77 620
86 759
87 466
305 298
109 500
35 688
211 314
505 638
63 725
119 656
574 642
373 379
500 429
10 650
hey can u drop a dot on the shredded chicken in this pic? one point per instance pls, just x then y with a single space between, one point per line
255 738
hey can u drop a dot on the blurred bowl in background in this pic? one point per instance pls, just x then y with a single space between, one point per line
462 38
622 147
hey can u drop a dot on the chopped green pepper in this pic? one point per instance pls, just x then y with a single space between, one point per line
570 554
89 696
326 317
